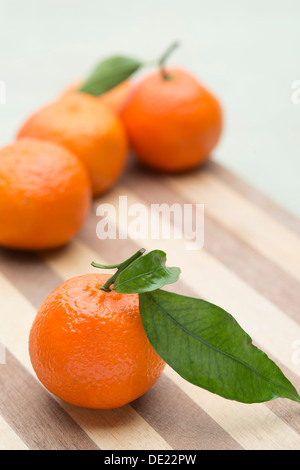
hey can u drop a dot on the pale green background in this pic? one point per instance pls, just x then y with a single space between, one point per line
247 52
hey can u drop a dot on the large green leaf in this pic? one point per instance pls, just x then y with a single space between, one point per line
109 73
207 347
147 273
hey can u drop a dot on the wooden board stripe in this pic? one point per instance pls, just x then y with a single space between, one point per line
252 194
9 440
119 429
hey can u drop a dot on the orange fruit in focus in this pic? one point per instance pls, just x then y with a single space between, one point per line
173 124
45 195
89 129
89 347
113 99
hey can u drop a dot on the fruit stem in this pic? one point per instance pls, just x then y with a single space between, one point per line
164 57
120 267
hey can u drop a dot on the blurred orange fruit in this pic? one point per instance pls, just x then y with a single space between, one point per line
114 99
89 347
86 127
45 195
173 123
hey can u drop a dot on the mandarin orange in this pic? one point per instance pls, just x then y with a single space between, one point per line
89 347
45 195
86 127
173 122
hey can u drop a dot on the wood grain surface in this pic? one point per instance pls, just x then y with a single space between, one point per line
249 265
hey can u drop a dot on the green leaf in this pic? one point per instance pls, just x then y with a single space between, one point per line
110 73
207 347
147 273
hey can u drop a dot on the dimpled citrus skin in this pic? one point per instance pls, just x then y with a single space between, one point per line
45 195
89 348
172 124
89 129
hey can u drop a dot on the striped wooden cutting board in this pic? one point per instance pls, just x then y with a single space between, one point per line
250 265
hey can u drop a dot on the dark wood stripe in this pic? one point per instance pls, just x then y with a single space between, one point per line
254 195
263 275
29 275
34 415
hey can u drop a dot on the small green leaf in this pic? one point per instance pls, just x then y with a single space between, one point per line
110 73
147 273
207 347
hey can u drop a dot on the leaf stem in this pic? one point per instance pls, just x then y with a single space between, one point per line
120 267
162 60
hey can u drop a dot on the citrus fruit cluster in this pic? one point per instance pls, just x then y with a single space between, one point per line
76 147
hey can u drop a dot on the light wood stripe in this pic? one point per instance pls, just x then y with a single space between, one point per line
75 260
269 440
242 218
252 194
9 440
143 436
119 429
